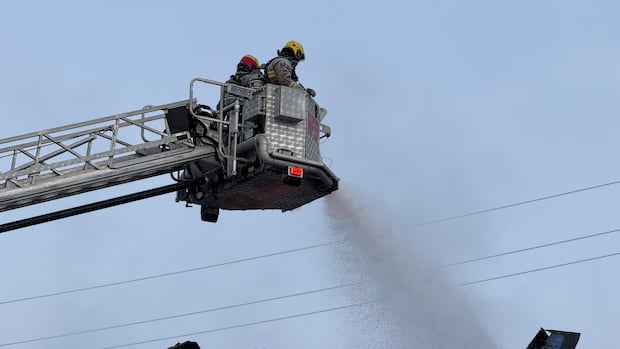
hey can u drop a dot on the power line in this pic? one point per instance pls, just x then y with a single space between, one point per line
441 220
170 273
242 325
179 315
531 248
539 269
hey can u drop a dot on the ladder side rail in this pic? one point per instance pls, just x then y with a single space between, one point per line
119 141
91 134
84 159
51 187
36 163
70 148
50 155
37 166
144 127
44 138
63 137
162 107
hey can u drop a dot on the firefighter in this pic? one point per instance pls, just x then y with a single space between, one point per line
248 74
248 70
281 69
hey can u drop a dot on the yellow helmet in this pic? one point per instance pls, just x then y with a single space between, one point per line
296 49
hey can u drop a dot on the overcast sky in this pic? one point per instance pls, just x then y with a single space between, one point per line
438 108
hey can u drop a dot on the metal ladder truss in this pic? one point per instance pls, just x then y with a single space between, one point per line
94 154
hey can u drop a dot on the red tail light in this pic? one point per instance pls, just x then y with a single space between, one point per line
295 171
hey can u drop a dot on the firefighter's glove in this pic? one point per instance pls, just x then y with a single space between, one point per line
311 92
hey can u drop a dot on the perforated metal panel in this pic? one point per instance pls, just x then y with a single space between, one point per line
291 104
291 120
312 132
254 107
281 134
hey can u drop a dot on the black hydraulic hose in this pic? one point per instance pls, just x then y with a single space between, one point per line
48 217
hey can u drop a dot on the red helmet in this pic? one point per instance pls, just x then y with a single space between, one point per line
250 61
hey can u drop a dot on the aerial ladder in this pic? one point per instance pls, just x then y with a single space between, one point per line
257 150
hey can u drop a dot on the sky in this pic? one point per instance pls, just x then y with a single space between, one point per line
437 109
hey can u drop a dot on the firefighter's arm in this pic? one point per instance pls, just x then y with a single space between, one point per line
284 74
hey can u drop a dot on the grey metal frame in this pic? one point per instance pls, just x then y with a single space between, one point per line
121 148
89 155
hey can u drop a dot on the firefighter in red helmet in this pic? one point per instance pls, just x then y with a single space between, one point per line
248 74
248 69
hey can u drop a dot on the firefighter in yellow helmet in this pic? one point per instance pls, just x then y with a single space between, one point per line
281 69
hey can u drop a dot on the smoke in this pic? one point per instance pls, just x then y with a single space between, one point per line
417 307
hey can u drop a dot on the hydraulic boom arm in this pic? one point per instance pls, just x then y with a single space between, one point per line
91 155
258 150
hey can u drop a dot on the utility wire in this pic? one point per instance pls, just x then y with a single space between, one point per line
530 248
242 325
170 273
539 269
180 315
441 220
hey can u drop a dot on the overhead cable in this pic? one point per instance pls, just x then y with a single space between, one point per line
242 325
538 269
531 248
68 334
170 273
451 218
